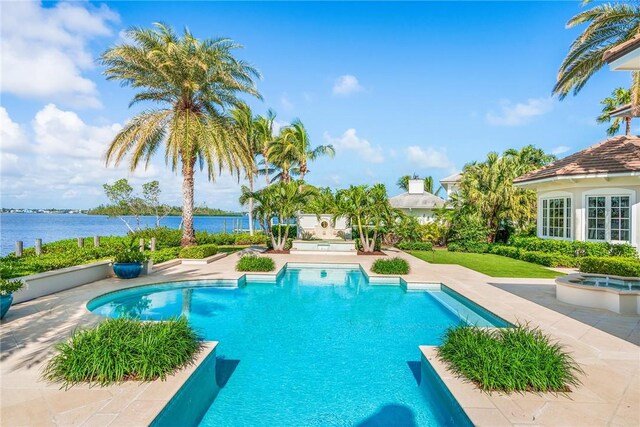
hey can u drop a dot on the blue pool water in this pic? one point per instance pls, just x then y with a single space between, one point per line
321 346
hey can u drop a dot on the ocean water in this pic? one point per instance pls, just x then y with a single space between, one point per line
321 347
51 227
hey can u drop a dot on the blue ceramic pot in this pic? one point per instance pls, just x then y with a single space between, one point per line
5 303
127 270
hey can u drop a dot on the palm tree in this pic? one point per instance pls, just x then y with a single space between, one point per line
608 25
368 209
264 129
296 138
245 129
282 155
618 98
192 82
281 201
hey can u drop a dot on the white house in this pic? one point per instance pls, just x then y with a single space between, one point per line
417 202
451 184
592 195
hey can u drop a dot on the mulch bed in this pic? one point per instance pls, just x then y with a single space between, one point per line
271 251
379 253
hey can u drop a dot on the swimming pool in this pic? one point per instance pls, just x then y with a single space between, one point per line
320 346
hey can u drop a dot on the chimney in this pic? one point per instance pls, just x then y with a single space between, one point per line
416 186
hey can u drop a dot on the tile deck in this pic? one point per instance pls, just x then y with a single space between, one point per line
603 343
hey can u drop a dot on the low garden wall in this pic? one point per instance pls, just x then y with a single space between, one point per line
50 282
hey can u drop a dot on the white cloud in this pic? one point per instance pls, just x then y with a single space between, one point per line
428 158
56 160
520 113
346 85
44 52
560 149
349 141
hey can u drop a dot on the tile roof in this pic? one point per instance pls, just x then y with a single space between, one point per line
621 49
413 201
619 154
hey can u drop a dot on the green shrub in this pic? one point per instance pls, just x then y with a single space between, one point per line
390 266
574 248
548 259
123 349
415 246
246 239
614 266
165 237
255 263
503 250
198 251
468 246
509 359
163 255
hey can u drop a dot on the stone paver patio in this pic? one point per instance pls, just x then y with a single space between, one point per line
609 395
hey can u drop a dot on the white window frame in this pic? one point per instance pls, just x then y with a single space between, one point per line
608 194
570 210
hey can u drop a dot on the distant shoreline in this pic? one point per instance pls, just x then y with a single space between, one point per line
75 212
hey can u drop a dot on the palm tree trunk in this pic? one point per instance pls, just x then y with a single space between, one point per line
188 234
627 122
266 166
251 206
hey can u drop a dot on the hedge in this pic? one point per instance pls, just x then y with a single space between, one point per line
199 251
615 266
536 257
415 246
474 247
255 263
574 248
390 266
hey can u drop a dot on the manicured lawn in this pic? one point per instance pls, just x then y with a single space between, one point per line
489 264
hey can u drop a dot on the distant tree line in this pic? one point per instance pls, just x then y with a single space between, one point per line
124 202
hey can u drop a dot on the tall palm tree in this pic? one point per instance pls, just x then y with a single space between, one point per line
608 25
618 98
245 129
192 82
296 138
264 129
283 156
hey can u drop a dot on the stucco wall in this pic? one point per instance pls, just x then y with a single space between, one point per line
578 190
422 215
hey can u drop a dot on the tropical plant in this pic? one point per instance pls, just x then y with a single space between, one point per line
130 253
193 82
368 209
280 201
123 349
9 286
520 359
245 129
619 97
608 25
264 131
487 189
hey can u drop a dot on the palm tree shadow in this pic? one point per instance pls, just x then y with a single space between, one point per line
390 415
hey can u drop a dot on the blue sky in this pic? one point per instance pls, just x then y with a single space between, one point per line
397 88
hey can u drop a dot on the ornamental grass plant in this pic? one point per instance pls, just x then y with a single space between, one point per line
517 359
390 266
123 349
255 263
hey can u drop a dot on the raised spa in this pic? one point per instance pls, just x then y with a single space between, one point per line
614 293
320 345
